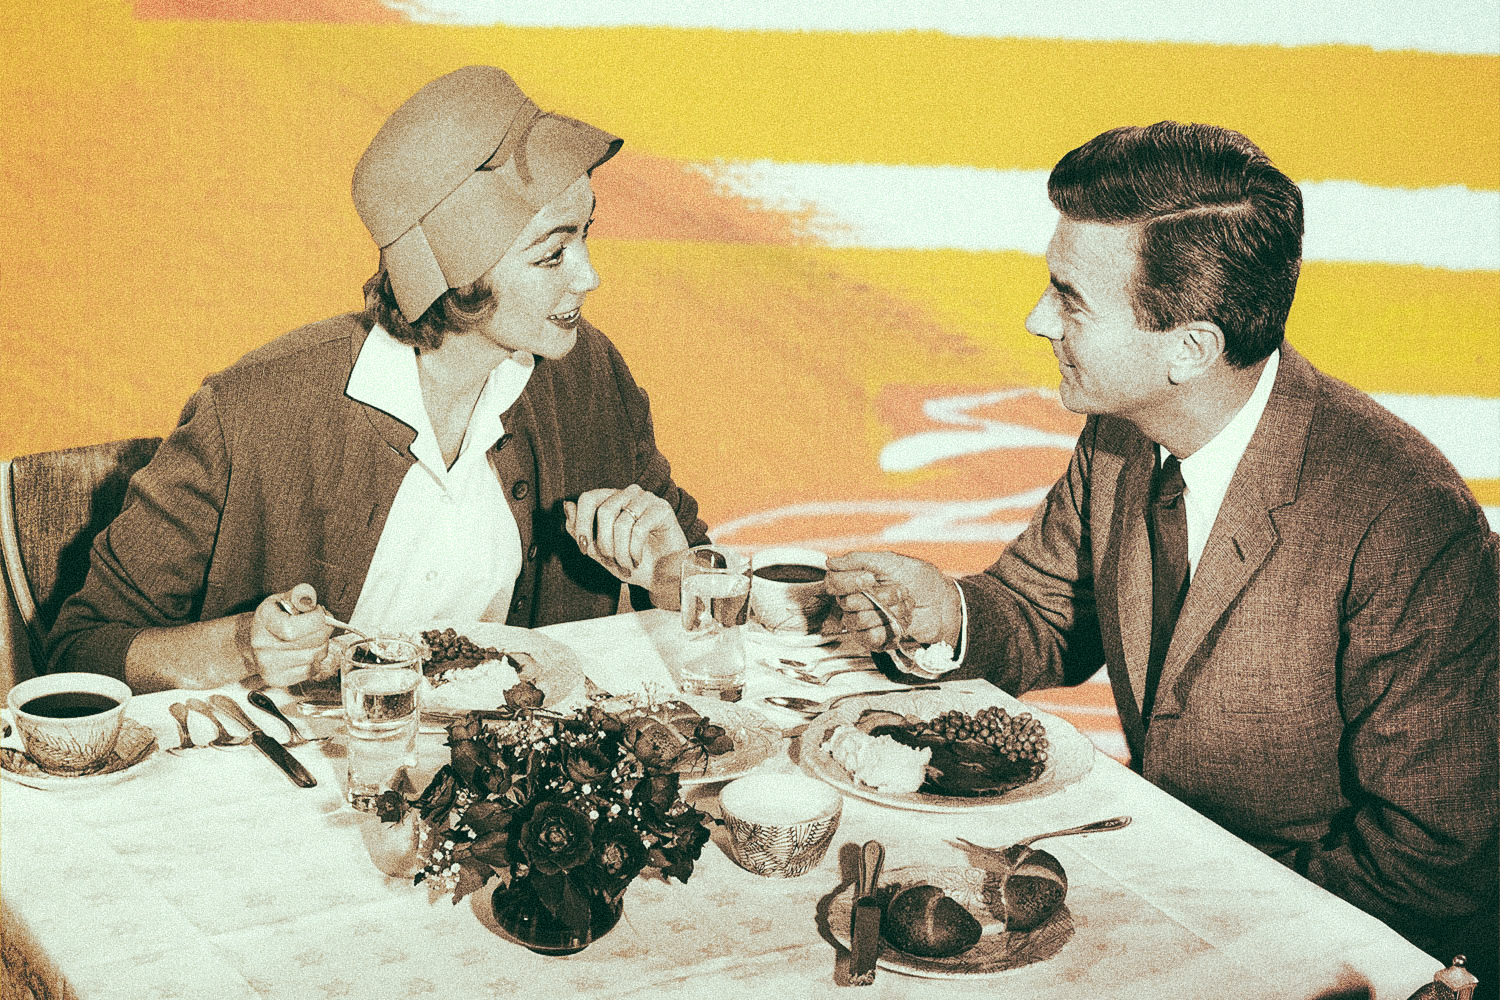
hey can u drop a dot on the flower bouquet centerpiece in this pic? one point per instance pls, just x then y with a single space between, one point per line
565 810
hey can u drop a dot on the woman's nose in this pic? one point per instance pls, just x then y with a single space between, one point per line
585 278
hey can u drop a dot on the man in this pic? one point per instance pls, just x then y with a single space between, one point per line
1295 593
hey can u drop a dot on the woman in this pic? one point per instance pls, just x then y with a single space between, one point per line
469 447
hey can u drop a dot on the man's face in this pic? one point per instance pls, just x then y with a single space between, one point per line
541 282
1109 365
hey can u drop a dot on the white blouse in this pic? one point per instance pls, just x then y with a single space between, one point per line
450 549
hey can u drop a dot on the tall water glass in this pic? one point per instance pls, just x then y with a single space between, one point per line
715 603
379 679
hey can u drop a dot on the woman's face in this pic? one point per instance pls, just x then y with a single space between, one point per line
541 282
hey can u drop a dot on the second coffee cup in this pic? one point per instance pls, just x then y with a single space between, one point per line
787 593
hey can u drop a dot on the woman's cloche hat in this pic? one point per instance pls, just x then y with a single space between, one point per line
457 172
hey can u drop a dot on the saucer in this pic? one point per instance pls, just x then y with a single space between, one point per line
136 744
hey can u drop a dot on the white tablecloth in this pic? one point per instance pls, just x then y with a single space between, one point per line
207 874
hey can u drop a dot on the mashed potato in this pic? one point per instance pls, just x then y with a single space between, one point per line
878 761
481 686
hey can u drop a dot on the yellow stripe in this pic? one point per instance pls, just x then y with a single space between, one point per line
1486 491
1385 118
1382 327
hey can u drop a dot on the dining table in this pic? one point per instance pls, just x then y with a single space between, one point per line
207 874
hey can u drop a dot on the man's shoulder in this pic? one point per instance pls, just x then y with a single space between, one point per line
1351 432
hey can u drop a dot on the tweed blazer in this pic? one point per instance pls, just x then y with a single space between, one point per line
1330 690
274 476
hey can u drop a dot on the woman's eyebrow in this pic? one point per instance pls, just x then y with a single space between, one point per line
565 228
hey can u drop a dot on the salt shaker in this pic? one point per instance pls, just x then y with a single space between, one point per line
1453 983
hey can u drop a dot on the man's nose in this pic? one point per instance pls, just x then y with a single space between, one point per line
1043 320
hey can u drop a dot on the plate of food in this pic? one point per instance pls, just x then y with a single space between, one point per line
962 922
703 755
470 667
947 750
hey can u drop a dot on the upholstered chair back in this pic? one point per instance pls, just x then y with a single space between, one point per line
51 506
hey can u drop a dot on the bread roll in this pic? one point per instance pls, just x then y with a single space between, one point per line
923 920
1034 891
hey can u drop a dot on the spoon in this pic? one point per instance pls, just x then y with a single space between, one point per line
180 713
808 677
810 708
261 701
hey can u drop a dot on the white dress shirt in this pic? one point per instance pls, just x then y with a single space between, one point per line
1206 472
450 548
1205 475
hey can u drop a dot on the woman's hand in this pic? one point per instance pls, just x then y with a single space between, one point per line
288 648
625 531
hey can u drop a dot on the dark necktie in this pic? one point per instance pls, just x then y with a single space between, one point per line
1166 520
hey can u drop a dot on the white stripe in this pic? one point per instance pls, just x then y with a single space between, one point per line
1465 429
1430 25
968 208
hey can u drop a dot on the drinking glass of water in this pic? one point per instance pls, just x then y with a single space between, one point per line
379 679
715 604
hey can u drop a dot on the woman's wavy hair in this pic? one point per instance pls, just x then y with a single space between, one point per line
456 310
1220 228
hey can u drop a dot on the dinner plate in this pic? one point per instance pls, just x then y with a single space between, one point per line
1070 755
559 671
136 745
756 740
998 952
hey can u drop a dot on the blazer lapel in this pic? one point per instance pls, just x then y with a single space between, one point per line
1244 534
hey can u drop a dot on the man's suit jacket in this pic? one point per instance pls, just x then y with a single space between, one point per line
1330 691
274 476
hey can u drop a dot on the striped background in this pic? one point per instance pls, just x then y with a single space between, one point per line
817 248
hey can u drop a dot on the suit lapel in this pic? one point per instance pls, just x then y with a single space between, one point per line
1243 534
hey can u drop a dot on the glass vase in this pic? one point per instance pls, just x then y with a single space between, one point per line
523 916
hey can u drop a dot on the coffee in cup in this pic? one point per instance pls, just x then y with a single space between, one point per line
787 592
69 722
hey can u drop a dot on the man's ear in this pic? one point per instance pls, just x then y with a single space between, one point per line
1194 348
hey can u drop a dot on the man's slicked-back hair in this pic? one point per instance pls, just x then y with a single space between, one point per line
1220 228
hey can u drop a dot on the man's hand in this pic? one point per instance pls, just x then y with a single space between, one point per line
287 648
924 601
625 531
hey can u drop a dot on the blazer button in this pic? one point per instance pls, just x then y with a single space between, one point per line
520 490
520 604
531 552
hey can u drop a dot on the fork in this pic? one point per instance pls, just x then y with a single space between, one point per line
898 634
180 713
223 739
286 605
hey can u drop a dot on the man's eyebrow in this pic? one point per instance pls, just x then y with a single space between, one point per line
568 228
1067 291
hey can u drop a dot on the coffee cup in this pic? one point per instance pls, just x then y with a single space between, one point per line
787 591
780 825
69 722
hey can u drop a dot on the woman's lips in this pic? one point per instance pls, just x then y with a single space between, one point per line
568 320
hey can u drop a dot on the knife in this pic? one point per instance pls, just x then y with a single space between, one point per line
864 929
279 754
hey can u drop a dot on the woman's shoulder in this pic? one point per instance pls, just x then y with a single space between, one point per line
334 342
